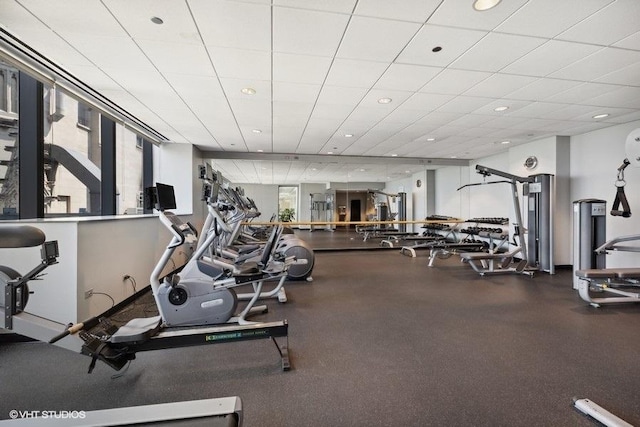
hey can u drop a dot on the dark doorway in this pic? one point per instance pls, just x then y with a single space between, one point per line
355 212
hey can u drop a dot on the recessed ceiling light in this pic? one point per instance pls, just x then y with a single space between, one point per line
264 169
454 157
362 170
501 108
256 131
329 152
348 135
260 151
431 139
481 5
384 101
601 116
505 142
407 171
248 91
394 155
314 169
157 20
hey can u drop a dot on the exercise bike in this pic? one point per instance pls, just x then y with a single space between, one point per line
194 307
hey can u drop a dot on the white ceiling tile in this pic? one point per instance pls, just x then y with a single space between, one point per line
569 112
241 64
406 77
300 68
426 101
464 104
178 26
87 17
290 111
332 111
255 113
454 82
140 81
406 10
503 122
353 73
631 42
397 98
183 58
549 57
201 93
462 14
55 47
233 87
621 97
437 118
498 85
341 95
536 110
471 120
613 23
340 6
453 41
512 104
368 115
586 127
496 51
404 115
625 118
629 76
548 18
541 89
94 77
307 32
579 94
295 92
106 51
601 63
233 24
375 39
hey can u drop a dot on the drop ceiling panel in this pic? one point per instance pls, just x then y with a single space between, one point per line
353 73
536 109
568 112
406 77
613 113
550 57
334 95
233 24
404 116
295 92
140 81
426 101
87 17
233 87
464 104
615 22
300 68
182 58
496 51
252 112
178 26
397 97
341 6
498 85
375 39
307 32
631 42
291 112
454 42
56 47
601 63
541 89
454 82
407 10
95 77
622 97
548 18
581 93
334 112
241 64
105 51
462 14
201 93
629 76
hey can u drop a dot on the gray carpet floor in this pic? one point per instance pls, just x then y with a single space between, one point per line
379 339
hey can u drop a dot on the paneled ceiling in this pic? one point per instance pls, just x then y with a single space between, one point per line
320 68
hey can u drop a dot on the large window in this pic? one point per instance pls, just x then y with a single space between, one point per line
287 203
129 199
9 168
71 156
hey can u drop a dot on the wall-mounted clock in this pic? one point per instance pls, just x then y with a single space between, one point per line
531 162
418 183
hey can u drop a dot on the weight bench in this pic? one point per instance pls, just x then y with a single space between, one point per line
609 280
495 263
419 243
445 250
394 236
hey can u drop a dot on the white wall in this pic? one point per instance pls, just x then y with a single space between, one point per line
595 158
173 165
265 197
449 201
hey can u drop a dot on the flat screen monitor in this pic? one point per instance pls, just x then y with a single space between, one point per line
165 197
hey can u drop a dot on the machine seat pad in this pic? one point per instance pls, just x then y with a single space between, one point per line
20 236
248 269
247 248
473 256
137 330
609 273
